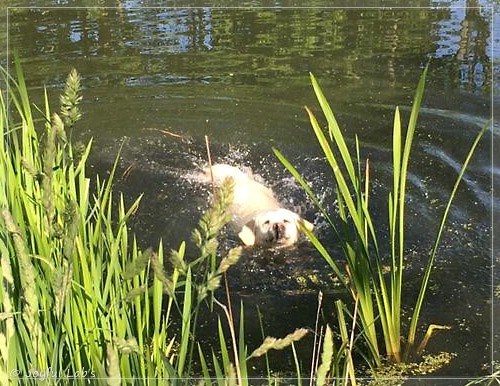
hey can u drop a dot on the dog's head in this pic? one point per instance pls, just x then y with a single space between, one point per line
278 227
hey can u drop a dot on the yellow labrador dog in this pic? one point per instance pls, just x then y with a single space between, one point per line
256 213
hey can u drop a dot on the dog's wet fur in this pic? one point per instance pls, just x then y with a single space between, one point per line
256 213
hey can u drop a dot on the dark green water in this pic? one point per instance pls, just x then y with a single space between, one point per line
240 76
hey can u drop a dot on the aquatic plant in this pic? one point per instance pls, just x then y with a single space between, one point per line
493 378
70 310
337 364
379 293
79 300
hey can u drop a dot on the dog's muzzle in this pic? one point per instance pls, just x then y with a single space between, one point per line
279 231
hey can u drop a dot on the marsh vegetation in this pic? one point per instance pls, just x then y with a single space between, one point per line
80 298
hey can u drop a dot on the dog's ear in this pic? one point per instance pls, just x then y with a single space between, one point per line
247 235
306 224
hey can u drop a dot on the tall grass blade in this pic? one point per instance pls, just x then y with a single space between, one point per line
430 261
186 325
219 374
339 177
333 129
226 362
203 363
242 350
393 201
298 371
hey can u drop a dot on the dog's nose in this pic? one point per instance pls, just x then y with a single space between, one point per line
279 230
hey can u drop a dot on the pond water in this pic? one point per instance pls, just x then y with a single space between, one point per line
157 80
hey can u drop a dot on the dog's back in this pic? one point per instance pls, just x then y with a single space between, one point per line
250 197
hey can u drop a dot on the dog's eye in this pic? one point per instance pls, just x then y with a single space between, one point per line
286 221
266 222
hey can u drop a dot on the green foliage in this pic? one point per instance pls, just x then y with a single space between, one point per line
69 304
78 296
378 292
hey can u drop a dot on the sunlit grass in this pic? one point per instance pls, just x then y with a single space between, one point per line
68 303
79 300
78 296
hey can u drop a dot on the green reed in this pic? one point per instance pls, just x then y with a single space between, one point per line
337 364
377 292
79 300
68 307
79 297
